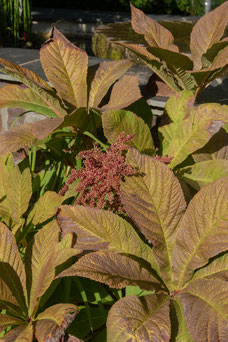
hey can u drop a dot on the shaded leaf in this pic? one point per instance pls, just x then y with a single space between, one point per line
179 104
45 207
116 122
124 92
65 66
99 229
203 230
205 172
7 300
19 192
139 319
178 323
205 304
207 31
156 203
4 203
154 33
106 74
14 96
113 269
22 333
12 270
221 59
6 321
52 323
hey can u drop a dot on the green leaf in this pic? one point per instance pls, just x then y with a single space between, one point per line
205 305
193 132
45 207
52 322
217 269
99 229
154 33
116 122
40 264
14 96
138 319
205 172
207 31
113 269
12 270
124 92
156 203
65 66
178 105
4 203
106 74
19 192
22 333
203 230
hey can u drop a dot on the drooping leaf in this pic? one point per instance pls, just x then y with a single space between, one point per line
193 132
138 319
26 135
113 269
217 269
205 304
22 333
203 230
19 192
98 229
14 96
116 122
124 92
6 321
179 104
204 172
12 270
52 323
207 31
156 203
45 207
40 264
105 76
154 33
65 66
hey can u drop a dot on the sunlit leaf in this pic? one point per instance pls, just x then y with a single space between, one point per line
218 269
105 76
113 269
155 201
116 122
65 66
205 304
203 230
6 321
221 59
22 333
138 319
179 104
207 31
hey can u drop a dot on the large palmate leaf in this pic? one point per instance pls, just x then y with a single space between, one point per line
6 321
22 333
179 104
45 207
7 300
12 270
14 96
116 122
99 229
155 201
65 66
207 31
218 269
193 132
105 76
27 135
138 319
19 192
124 92
113 269
203 230
205 304
40 264
205 172
154 33
52 323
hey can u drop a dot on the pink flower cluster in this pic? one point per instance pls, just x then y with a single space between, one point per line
101 174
